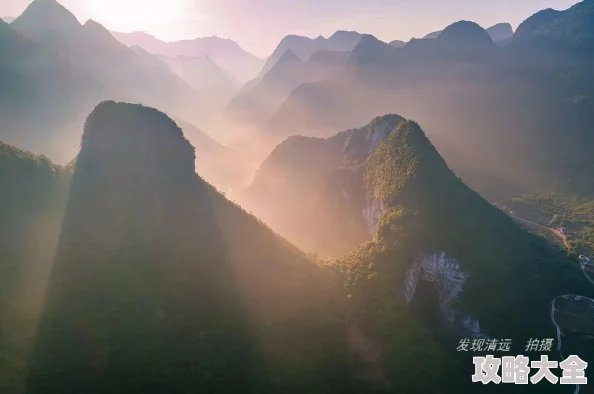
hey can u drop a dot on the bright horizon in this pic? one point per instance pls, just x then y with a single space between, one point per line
258 25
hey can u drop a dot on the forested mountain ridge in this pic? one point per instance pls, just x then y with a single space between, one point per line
460 265
154 264
32 202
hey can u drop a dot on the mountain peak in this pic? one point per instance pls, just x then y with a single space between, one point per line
500 31
288 56
572 28
368 49
465 31
345 35
373 134
114 128
99 32
535 21
43 16
398 43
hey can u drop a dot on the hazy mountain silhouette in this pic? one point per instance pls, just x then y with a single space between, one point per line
398 43
175 288
93 66
204 75
500 32
304 47
224 52
434 34
258 99
494 112
92 48
573 28
47 19
43 95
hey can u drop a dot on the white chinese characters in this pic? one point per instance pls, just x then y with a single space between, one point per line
516 370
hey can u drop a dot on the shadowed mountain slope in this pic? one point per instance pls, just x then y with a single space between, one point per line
160 284
32 202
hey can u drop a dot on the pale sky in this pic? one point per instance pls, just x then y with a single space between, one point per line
258 25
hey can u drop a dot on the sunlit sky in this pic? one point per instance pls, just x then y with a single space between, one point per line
258 25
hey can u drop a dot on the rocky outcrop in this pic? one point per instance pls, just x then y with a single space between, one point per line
372 213
448 278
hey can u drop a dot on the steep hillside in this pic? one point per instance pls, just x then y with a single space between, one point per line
323 220
436 249
159 283
32 202
571 28
463 267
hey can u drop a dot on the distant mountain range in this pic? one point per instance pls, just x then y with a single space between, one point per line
473 98
60 69
224 52
260 98
295 61
304 47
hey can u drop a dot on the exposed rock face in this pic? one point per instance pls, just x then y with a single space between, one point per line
380 131
372 213
448 278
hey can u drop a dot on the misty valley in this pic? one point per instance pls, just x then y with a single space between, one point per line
342 216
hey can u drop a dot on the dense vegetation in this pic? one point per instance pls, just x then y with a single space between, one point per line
559 210
161 285
31 204
426 210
